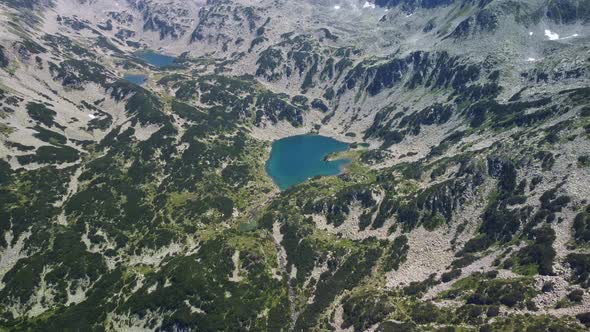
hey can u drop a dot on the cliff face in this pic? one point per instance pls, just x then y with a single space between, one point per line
148 207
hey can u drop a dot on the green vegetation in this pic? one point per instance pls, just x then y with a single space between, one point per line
74 73
397 253
3 58
201 281
51 155
363 310
42 114
484 289
580 264
537 258
169 220
49 136
582 226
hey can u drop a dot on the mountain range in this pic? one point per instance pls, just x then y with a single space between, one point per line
147 206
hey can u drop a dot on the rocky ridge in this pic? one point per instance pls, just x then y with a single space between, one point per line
147 207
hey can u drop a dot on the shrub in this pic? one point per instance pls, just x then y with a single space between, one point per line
580 263
448 276
576 296
417 288
51 155
424 313
584 318
397 253
493 311
365 310
41 113
547 287
582 226
541 252
507 292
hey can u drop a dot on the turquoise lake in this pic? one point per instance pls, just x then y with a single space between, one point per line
296 159
156 59
135 78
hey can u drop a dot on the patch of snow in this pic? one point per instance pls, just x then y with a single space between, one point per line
551 35
572 36
369 5
92 116
531 59
337 7
530 33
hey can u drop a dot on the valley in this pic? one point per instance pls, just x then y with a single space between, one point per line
160 165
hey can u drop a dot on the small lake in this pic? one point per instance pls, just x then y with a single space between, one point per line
135 78
156 59
295 159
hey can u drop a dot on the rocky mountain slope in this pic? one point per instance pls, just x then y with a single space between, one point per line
124 207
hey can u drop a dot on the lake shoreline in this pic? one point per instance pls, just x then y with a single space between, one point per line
296 159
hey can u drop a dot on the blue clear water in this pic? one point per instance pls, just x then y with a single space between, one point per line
297 158
156 59
135 78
